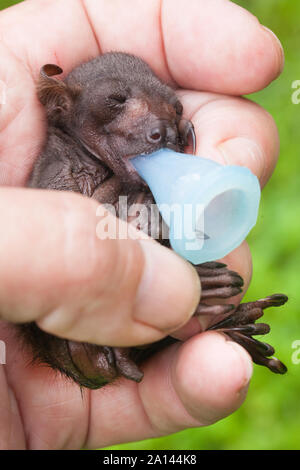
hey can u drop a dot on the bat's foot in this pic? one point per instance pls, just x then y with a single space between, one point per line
89 365
217 281
240 326
99 365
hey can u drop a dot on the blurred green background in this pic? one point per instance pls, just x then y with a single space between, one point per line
270 417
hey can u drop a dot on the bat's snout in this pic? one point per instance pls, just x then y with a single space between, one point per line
162 134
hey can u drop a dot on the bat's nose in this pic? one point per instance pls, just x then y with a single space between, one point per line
161 133
156 134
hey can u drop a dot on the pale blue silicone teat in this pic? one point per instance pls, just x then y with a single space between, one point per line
209 208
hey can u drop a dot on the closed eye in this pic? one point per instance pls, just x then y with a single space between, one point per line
117 98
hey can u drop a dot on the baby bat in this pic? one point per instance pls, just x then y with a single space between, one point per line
103 113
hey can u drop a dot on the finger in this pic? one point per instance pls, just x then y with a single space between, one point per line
75 284
238 260
208 380
238 132
205 380
11 432
222 47
25 32
43 398
27 45
195 46
22 126
233 131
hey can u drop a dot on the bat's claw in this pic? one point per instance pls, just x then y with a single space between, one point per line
187 131
240 326
217 281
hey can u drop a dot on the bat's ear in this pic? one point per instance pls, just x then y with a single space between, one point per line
54 94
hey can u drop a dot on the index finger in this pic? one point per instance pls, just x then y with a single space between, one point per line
205 45
215 46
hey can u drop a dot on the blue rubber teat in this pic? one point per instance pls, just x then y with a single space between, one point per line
209 208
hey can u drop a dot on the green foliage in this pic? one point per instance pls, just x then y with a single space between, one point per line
8 3
270 417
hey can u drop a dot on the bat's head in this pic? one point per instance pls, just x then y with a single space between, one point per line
117 108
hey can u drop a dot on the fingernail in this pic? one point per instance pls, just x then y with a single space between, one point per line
279 48
244 152
169 290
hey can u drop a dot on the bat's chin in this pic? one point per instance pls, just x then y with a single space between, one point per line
131 174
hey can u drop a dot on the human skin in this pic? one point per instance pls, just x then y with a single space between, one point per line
65 300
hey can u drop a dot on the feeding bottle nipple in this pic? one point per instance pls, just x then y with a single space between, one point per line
209 208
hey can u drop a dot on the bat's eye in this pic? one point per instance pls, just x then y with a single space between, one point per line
117 98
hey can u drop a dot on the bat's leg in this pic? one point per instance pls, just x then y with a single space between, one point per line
108 191
98 365
240 326
89 365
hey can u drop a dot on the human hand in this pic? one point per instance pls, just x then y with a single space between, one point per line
48 265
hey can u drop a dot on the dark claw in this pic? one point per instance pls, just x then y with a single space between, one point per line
192 133
255 345
275 365
261 329
186 129
254 329
240 327
275 300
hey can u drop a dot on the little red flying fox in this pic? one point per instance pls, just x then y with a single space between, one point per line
103 113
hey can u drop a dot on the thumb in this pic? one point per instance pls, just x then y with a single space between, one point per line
55 270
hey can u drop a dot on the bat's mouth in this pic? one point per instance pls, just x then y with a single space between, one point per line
168 145
123 166
132 170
